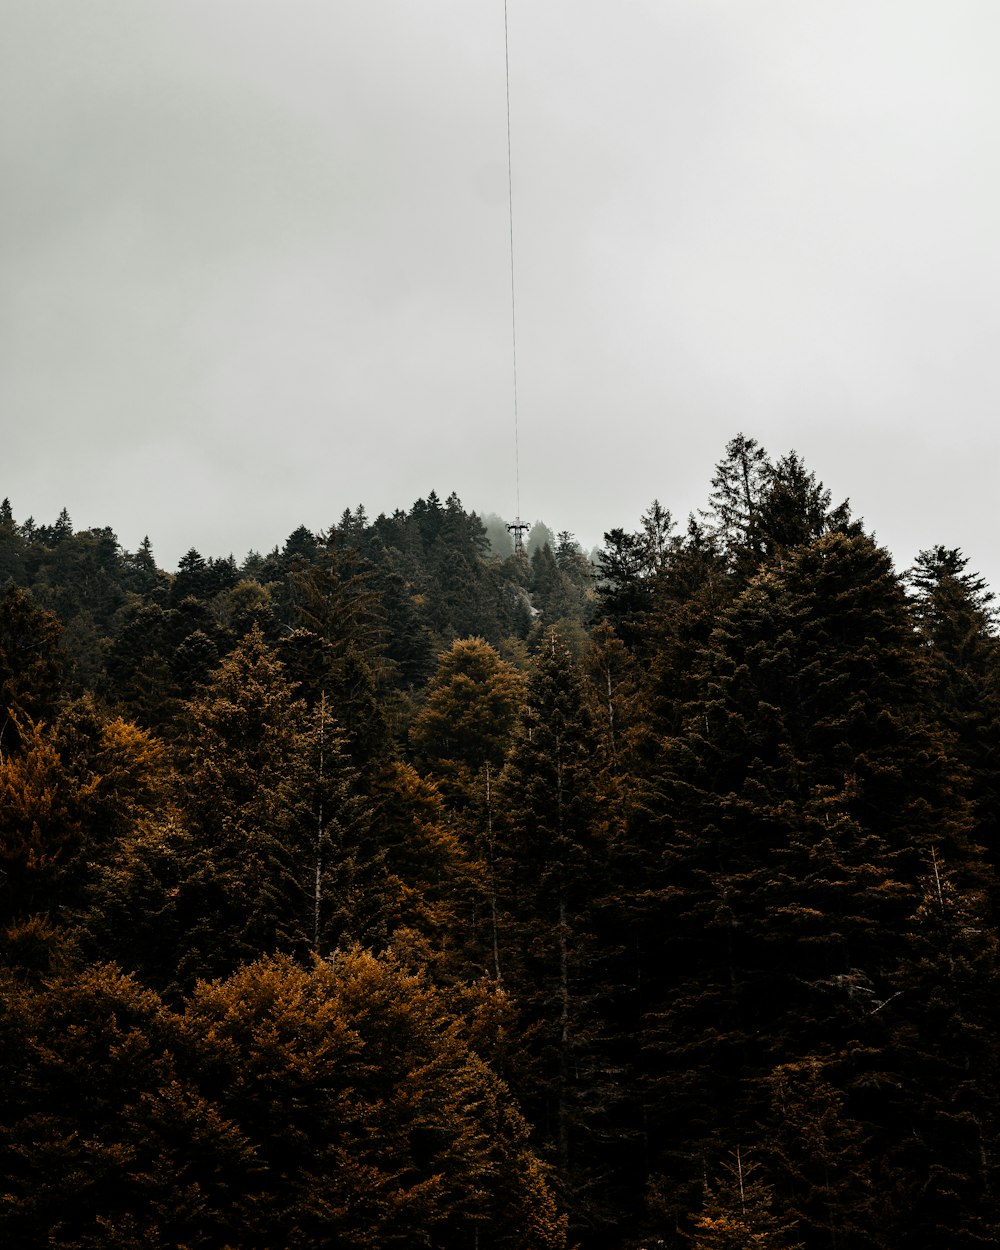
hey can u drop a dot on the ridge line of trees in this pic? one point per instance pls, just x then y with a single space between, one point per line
393 889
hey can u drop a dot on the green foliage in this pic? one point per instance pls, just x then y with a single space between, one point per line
762 510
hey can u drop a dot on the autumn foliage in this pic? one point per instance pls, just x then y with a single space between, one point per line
391 890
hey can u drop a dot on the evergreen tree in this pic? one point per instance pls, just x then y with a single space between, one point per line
559 584
12 547
338 1105
828 1166
420 876
43 833
794 508
192 577
242 791
692 592
738 485
334 643
802 796
461 603
140 573
761 509
737 1212
301 545
551 869
948 1092
104 1140
32 664
539 536
956 621
624 592
140 663
467 721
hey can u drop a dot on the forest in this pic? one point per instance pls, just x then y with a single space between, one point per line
398 889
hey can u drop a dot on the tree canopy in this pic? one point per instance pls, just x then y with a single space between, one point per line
395 888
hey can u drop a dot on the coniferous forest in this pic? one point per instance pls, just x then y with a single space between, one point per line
394 889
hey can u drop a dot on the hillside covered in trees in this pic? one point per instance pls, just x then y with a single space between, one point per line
393 889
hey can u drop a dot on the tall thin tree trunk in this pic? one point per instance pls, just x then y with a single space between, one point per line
318 887
563 1109
492 875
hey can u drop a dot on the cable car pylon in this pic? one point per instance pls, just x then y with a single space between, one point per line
517 528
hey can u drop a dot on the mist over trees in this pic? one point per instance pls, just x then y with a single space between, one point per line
395 889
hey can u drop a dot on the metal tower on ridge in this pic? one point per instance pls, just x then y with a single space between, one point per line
519 528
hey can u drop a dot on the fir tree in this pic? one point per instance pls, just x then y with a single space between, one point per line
551 870
471 707
32 664
738 1212
956 620
801 798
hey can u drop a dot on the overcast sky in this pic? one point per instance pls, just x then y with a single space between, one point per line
255 260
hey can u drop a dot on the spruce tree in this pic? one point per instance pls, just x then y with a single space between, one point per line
801 800
737 1211
551 868
32 664
956 620
948 1092
467 720
738 486
338 1104
242 792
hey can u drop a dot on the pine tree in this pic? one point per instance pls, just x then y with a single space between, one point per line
737 489
551 869
417 868
140 573
799 801
460 602
737 1212
104 1140
823 1158
944 1013
762 510
795 509
12 548
471 706
334 644
956 620
140 664
192 578
623 589
43 834
334 1105
32 664
243 793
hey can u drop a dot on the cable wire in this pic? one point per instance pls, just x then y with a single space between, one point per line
513 306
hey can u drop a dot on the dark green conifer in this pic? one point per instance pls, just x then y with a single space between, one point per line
802 796
956 619
32 663
552 872
737 1211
